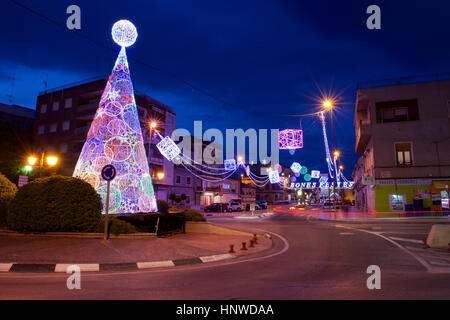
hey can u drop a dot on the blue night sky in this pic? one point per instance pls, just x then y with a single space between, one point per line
258 59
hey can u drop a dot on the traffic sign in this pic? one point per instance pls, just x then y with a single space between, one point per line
108 172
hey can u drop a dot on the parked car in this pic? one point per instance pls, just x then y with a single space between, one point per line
235 206
215 207
262 204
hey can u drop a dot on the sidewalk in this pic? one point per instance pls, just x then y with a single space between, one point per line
196 248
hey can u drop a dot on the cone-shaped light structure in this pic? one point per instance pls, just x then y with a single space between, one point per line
115 137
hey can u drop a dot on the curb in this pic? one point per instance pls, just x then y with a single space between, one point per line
96 267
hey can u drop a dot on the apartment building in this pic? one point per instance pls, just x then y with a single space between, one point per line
403 135
64 116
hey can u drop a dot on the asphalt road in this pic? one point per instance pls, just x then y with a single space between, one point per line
309 260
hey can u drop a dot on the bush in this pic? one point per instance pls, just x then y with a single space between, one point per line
57 203
117 226
168 222
7 193
193 215
163 206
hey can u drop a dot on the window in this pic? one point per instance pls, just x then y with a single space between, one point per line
188 199
397 111
41 129
55 106
64 148
188 180
178 179
68 103
397 202
44 108
403 153
53 127
66 125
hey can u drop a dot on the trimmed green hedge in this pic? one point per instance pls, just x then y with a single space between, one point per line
7 192
163 206
55 204
168 222
193 215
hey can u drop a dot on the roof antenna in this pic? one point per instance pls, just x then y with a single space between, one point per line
46 83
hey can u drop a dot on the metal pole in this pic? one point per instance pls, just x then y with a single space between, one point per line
332 150
41 165
105 236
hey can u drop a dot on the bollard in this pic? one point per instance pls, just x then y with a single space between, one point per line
251 243
244 246
255 238
231 248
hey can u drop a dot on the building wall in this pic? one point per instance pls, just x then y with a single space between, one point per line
84 99
429 136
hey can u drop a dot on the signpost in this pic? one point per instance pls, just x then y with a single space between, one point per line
108 174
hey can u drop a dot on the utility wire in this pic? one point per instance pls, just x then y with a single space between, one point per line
101 44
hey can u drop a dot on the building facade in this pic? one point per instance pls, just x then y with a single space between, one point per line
64 116
403 136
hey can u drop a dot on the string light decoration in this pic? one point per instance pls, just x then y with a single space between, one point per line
230 164
124 33
289 139
274 177
168 148
295 167
315 174
115 137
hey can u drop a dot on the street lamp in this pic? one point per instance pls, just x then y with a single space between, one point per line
33 161
160 175
152 125
336 154
341 168
52 160
328 105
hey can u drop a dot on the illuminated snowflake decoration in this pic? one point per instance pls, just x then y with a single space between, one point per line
230 164
323 179
315 174
115 137
168 148
274 177
124 33
289 139
295 167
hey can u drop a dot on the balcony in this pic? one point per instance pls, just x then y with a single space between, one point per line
363 135
155 160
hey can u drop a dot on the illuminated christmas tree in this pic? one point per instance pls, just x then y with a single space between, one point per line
115 137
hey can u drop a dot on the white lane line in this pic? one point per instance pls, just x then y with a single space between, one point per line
427 266
155 264
217 257
407 240
85 267
4 267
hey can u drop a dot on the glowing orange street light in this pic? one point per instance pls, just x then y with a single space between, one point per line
52 160
341 168
336 154
327 104
160 175
32 161
153 125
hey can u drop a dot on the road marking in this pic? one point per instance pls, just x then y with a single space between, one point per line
155 264
427 266
85 267
407 240
4 267
216 257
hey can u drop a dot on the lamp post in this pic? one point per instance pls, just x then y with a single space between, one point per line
328 105
151 126
51 161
